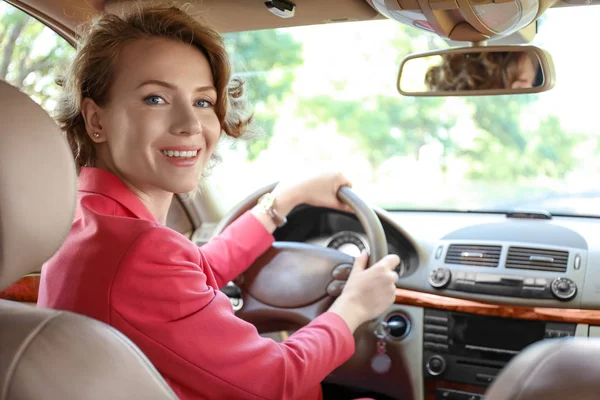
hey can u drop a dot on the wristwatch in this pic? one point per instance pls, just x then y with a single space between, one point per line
269 205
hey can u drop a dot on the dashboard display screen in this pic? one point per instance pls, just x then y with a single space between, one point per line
495 333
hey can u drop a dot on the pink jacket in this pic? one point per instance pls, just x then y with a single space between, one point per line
122 267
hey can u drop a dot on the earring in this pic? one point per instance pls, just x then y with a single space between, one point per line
96 135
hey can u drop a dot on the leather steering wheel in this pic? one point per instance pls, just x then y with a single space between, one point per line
292 283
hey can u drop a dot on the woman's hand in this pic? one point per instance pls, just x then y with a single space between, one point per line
368 291
317 191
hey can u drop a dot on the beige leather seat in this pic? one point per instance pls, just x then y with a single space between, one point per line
46 354
557 369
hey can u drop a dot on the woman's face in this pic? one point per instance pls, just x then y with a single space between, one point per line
527 73
159 127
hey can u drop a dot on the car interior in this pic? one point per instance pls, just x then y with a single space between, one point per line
489 195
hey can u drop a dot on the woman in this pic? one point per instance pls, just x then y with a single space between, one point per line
481 71
146 100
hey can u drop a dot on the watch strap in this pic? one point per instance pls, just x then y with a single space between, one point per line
268 203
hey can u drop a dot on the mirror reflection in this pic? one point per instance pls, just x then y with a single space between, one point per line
496 71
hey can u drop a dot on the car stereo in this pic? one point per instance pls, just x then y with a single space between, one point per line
472 349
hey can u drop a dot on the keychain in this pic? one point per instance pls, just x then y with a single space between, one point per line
381 362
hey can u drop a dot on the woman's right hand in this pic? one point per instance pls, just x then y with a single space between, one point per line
368 291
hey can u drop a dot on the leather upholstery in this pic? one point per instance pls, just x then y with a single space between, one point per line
37 186
48 354
52 355
557 369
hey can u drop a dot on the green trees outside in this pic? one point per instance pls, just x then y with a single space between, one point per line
32 56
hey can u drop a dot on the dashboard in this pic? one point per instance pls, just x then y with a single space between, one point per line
475 289
485 257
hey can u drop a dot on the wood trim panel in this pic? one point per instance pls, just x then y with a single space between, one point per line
432 384
24 290
428 300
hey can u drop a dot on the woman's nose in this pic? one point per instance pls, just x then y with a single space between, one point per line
186 121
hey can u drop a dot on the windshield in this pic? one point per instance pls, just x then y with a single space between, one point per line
325 97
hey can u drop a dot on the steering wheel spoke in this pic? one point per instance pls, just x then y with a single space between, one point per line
294 275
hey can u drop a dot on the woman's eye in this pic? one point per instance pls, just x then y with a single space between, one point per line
154 100
203 103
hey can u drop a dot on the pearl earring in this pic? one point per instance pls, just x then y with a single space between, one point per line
96 135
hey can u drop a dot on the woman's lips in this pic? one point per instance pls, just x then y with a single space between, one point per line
178 160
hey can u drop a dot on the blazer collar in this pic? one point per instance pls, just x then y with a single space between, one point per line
101 181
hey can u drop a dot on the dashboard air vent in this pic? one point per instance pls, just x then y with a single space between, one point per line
473 254
537 259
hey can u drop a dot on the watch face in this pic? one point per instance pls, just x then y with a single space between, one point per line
267 201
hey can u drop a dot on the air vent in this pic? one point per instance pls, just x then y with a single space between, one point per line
473 254
537 259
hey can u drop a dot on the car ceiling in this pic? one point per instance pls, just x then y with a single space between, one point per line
225 15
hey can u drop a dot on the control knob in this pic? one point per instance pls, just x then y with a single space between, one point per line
436 365
563 288
440 277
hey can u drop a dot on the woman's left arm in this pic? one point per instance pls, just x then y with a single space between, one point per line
236 248
240 244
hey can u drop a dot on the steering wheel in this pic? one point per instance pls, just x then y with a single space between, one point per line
292 283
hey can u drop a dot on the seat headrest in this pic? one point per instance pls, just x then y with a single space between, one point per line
38 186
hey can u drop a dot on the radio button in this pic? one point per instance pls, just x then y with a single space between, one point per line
440 277
485 378
541 282
435 346
564 288
436 365
434 319
551 333
449 394
430 346
529 282
435 338
464 286
436 329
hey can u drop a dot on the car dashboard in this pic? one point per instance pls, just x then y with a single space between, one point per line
474 290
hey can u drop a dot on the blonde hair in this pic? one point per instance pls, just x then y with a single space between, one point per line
91 73
474 71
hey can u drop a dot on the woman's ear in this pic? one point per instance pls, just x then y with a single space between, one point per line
91 113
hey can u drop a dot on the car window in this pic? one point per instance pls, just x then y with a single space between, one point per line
32 56
326 98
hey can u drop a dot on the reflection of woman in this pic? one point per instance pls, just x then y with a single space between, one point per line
145 103
480 71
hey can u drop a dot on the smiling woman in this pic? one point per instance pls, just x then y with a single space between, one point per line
144 105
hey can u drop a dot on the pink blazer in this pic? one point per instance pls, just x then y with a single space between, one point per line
122 267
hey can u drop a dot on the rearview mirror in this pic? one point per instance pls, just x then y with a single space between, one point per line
480 70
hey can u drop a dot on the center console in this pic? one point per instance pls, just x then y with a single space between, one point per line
471 350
